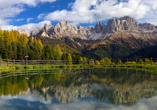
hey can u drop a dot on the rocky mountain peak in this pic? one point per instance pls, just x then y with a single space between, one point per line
80 27
24 32
98 27
122 24
126 24
147 26
48 28
128 19
36 31
61 23
68 24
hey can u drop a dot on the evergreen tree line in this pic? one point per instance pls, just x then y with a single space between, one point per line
14 45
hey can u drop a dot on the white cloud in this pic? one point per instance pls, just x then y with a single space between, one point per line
82 11
29 19
41 16
152 3
28 97
21 19
27 27
6 3
89 11
8 12
47 0
79 104
11 8
4 21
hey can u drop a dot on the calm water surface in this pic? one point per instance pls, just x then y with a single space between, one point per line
85 89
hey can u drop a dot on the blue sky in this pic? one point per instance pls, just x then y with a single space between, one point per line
31 14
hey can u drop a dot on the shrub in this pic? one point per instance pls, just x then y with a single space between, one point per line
147 61
102 61
97 62
120 62
140 61
107 61
92 62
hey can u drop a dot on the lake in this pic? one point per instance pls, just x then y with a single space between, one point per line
78 89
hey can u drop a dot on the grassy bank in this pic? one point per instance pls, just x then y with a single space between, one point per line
147 67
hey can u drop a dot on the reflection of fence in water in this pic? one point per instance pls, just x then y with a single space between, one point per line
68 71
42 72
27 73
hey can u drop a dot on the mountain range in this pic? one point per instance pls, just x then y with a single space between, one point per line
118 39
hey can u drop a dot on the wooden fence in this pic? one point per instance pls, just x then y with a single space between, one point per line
7 62
137 61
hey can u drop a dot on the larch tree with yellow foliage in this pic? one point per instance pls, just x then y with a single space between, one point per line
39 44
23 39
7 38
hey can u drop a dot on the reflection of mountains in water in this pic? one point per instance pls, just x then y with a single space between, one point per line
117 85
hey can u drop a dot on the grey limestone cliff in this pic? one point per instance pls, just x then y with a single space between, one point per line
65 29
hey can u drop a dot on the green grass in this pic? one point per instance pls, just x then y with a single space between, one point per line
147 67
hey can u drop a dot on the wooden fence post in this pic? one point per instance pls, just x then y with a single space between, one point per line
37 62
14 61
0 61
88 62
7 62
26 62
151 61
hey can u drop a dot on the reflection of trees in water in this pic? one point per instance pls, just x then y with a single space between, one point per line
128 85
117 85
127 97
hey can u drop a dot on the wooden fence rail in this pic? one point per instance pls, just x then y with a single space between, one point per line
137 60
7 62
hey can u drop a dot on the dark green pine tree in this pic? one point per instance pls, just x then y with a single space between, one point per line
32 51
9 50
37 51
30 41
19 51
64 56
24 51
53 53
5 55
47 56
1 47
14 50
47 52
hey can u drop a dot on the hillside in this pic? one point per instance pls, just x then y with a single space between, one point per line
119 45
118 39
146 52
72 47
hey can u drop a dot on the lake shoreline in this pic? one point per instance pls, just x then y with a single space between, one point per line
147 67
